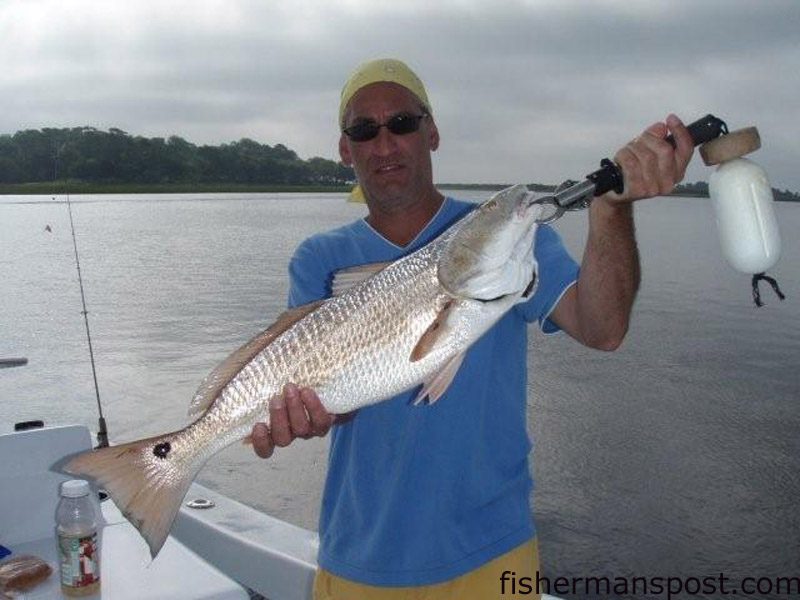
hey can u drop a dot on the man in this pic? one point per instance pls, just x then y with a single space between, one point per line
433 501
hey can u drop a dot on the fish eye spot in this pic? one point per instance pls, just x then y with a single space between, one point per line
162 450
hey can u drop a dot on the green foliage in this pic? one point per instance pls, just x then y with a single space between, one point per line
699 189
785 195
113 156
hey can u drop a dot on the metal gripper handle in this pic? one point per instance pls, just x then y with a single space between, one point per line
609 176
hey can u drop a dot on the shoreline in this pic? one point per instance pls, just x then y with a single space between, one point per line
44 188
61 188
75 187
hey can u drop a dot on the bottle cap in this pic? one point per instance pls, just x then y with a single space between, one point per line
75 488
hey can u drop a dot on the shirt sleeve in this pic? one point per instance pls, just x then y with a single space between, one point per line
308 275
558 271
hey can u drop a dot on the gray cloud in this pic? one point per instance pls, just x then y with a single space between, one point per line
522 91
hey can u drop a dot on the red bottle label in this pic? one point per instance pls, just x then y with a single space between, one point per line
79 561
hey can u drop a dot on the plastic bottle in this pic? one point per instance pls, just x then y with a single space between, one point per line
77 525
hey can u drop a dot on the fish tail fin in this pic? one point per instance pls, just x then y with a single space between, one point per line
147 480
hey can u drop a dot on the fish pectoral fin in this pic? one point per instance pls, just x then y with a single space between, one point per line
346 279
436 331
212 385
437 386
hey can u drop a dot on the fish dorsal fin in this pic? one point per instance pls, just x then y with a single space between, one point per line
437 386
212 385
346 279
435 331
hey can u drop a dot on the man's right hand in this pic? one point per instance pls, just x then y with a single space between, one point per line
297 413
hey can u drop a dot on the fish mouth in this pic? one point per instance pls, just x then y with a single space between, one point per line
540 208
528 202
529 210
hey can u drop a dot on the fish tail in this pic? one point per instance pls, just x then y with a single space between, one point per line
147 480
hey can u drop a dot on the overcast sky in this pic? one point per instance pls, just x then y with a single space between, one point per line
522 91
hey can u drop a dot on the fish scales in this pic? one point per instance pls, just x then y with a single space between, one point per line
377 319
382 324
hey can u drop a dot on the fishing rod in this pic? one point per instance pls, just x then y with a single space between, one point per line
102 432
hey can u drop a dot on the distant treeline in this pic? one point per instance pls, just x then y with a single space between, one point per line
90 155
700 189
95 158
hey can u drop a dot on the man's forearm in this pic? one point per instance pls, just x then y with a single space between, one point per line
609 276
597 310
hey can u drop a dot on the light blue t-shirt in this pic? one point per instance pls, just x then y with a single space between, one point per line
417 495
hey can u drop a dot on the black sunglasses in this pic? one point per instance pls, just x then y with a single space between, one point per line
399 124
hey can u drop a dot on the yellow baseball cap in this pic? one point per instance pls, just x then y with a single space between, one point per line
382 69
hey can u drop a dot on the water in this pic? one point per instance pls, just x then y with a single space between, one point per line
676 456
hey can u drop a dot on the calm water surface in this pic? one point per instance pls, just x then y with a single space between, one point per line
678 455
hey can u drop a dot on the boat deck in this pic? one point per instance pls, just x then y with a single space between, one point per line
227 551
27 509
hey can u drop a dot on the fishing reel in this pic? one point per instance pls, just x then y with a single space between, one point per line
739 189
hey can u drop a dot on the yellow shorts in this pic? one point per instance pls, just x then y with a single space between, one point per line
484 583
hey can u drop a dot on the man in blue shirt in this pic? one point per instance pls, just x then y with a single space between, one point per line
433 501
